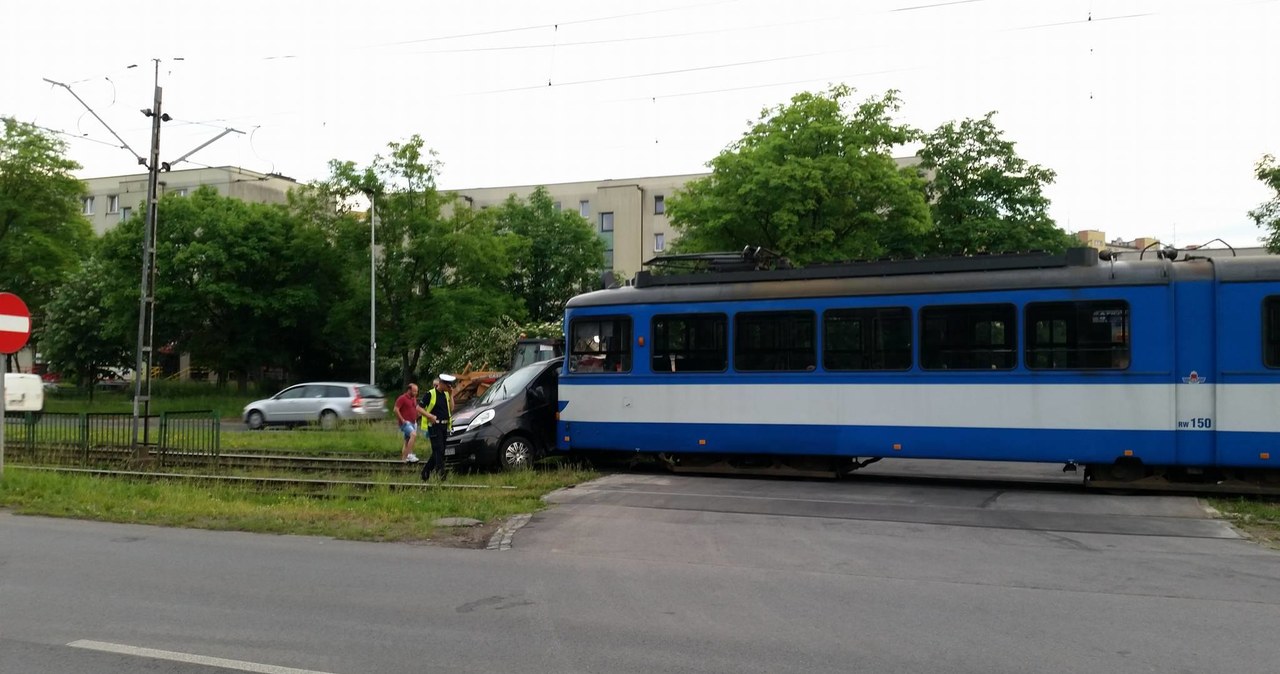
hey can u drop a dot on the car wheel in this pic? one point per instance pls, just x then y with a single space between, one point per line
516 453
328 420
255 421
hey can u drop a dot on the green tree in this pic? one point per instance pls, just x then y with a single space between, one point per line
490 347
814 180
329 206
558 256
1267 216
81 333
239 286
984 197
43 236
441 265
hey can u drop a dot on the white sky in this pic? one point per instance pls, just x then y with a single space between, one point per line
1153 113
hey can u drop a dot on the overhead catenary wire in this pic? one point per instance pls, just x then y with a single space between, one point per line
73 136
555 43
632 76
570 22
663 78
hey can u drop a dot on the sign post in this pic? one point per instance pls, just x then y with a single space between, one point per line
15 330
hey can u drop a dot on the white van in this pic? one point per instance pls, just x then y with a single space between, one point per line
23 392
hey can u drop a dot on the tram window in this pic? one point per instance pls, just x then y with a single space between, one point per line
1085 335
968 337
600 345
774 341
1271 331
867 339
690 343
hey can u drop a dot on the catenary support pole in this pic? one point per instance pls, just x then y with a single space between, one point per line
373 293
146 303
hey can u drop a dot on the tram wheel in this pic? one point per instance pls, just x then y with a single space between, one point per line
1120 471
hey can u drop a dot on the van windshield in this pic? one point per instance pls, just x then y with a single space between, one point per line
510 384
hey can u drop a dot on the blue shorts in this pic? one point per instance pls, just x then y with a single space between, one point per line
408 429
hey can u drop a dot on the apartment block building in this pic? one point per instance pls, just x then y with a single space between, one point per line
1098 239
629 214
1095 238
114 199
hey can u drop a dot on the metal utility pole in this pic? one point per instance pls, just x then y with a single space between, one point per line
147 299
147 302
373 292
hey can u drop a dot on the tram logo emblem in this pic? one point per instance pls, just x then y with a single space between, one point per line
1194 378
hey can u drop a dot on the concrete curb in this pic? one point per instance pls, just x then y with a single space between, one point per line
501 539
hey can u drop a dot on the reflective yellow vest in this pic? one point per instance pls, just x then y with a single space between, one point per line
431 402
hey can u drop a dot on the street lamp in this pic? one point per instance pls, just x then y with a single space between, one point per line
373 292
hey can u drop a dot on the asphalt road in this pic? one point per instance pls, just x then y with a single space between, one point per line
660 573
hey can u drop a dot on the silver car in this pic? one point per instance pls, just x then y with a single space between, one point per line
323 402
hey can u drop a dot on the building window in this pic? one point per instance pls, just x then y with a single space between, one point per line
1077 335
867 339
606 222
600 345
556 206
968 337
113 203
1271 331
690 343
181 191
774 341
659 242
86 206
125 213
584 208
659 204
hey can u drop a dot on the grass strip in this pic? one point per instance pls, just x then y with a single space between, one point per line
378 440
1256 516
366 513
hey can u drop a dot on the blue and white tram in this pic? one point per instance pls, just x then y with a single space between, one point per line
1132 368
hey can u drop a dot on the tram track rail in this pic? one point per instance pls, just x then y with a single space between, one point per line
244 467
1155 485
1087 486
265 482
101 458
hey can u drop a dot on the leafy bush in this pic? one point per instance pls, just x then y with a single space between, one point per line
490 348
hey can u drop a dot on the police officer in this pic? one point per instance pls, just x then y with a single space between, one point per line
438 402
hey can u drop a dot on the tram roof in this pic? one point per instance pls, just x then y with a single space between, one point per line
1074 269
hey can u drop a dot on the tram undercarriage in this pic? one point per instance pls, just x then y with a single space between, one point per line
1118 476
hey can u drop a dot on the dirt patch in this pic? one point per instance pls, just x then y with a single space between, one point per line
1265 534
474 537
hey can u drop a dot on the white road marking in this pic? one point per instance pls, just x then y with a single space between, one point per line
189 658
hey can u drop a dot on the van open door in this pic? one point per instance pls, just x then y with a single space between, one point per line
529 350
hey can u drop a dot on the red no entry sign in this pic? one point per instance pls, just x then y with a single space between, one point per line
15 323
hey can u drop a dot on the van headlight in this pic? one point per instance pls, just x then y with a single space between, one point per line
480 420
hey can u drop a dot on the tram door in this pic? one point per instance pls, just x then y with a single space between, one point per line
1195 371
1248 380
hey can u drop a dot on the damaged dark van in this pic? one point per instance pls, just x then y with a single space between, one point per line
513 424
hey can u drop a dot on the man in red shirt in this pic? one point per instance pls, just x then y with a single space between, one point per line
407 412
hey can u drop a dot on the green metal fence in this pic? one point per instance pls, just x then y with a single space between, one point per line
192 435
106 439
